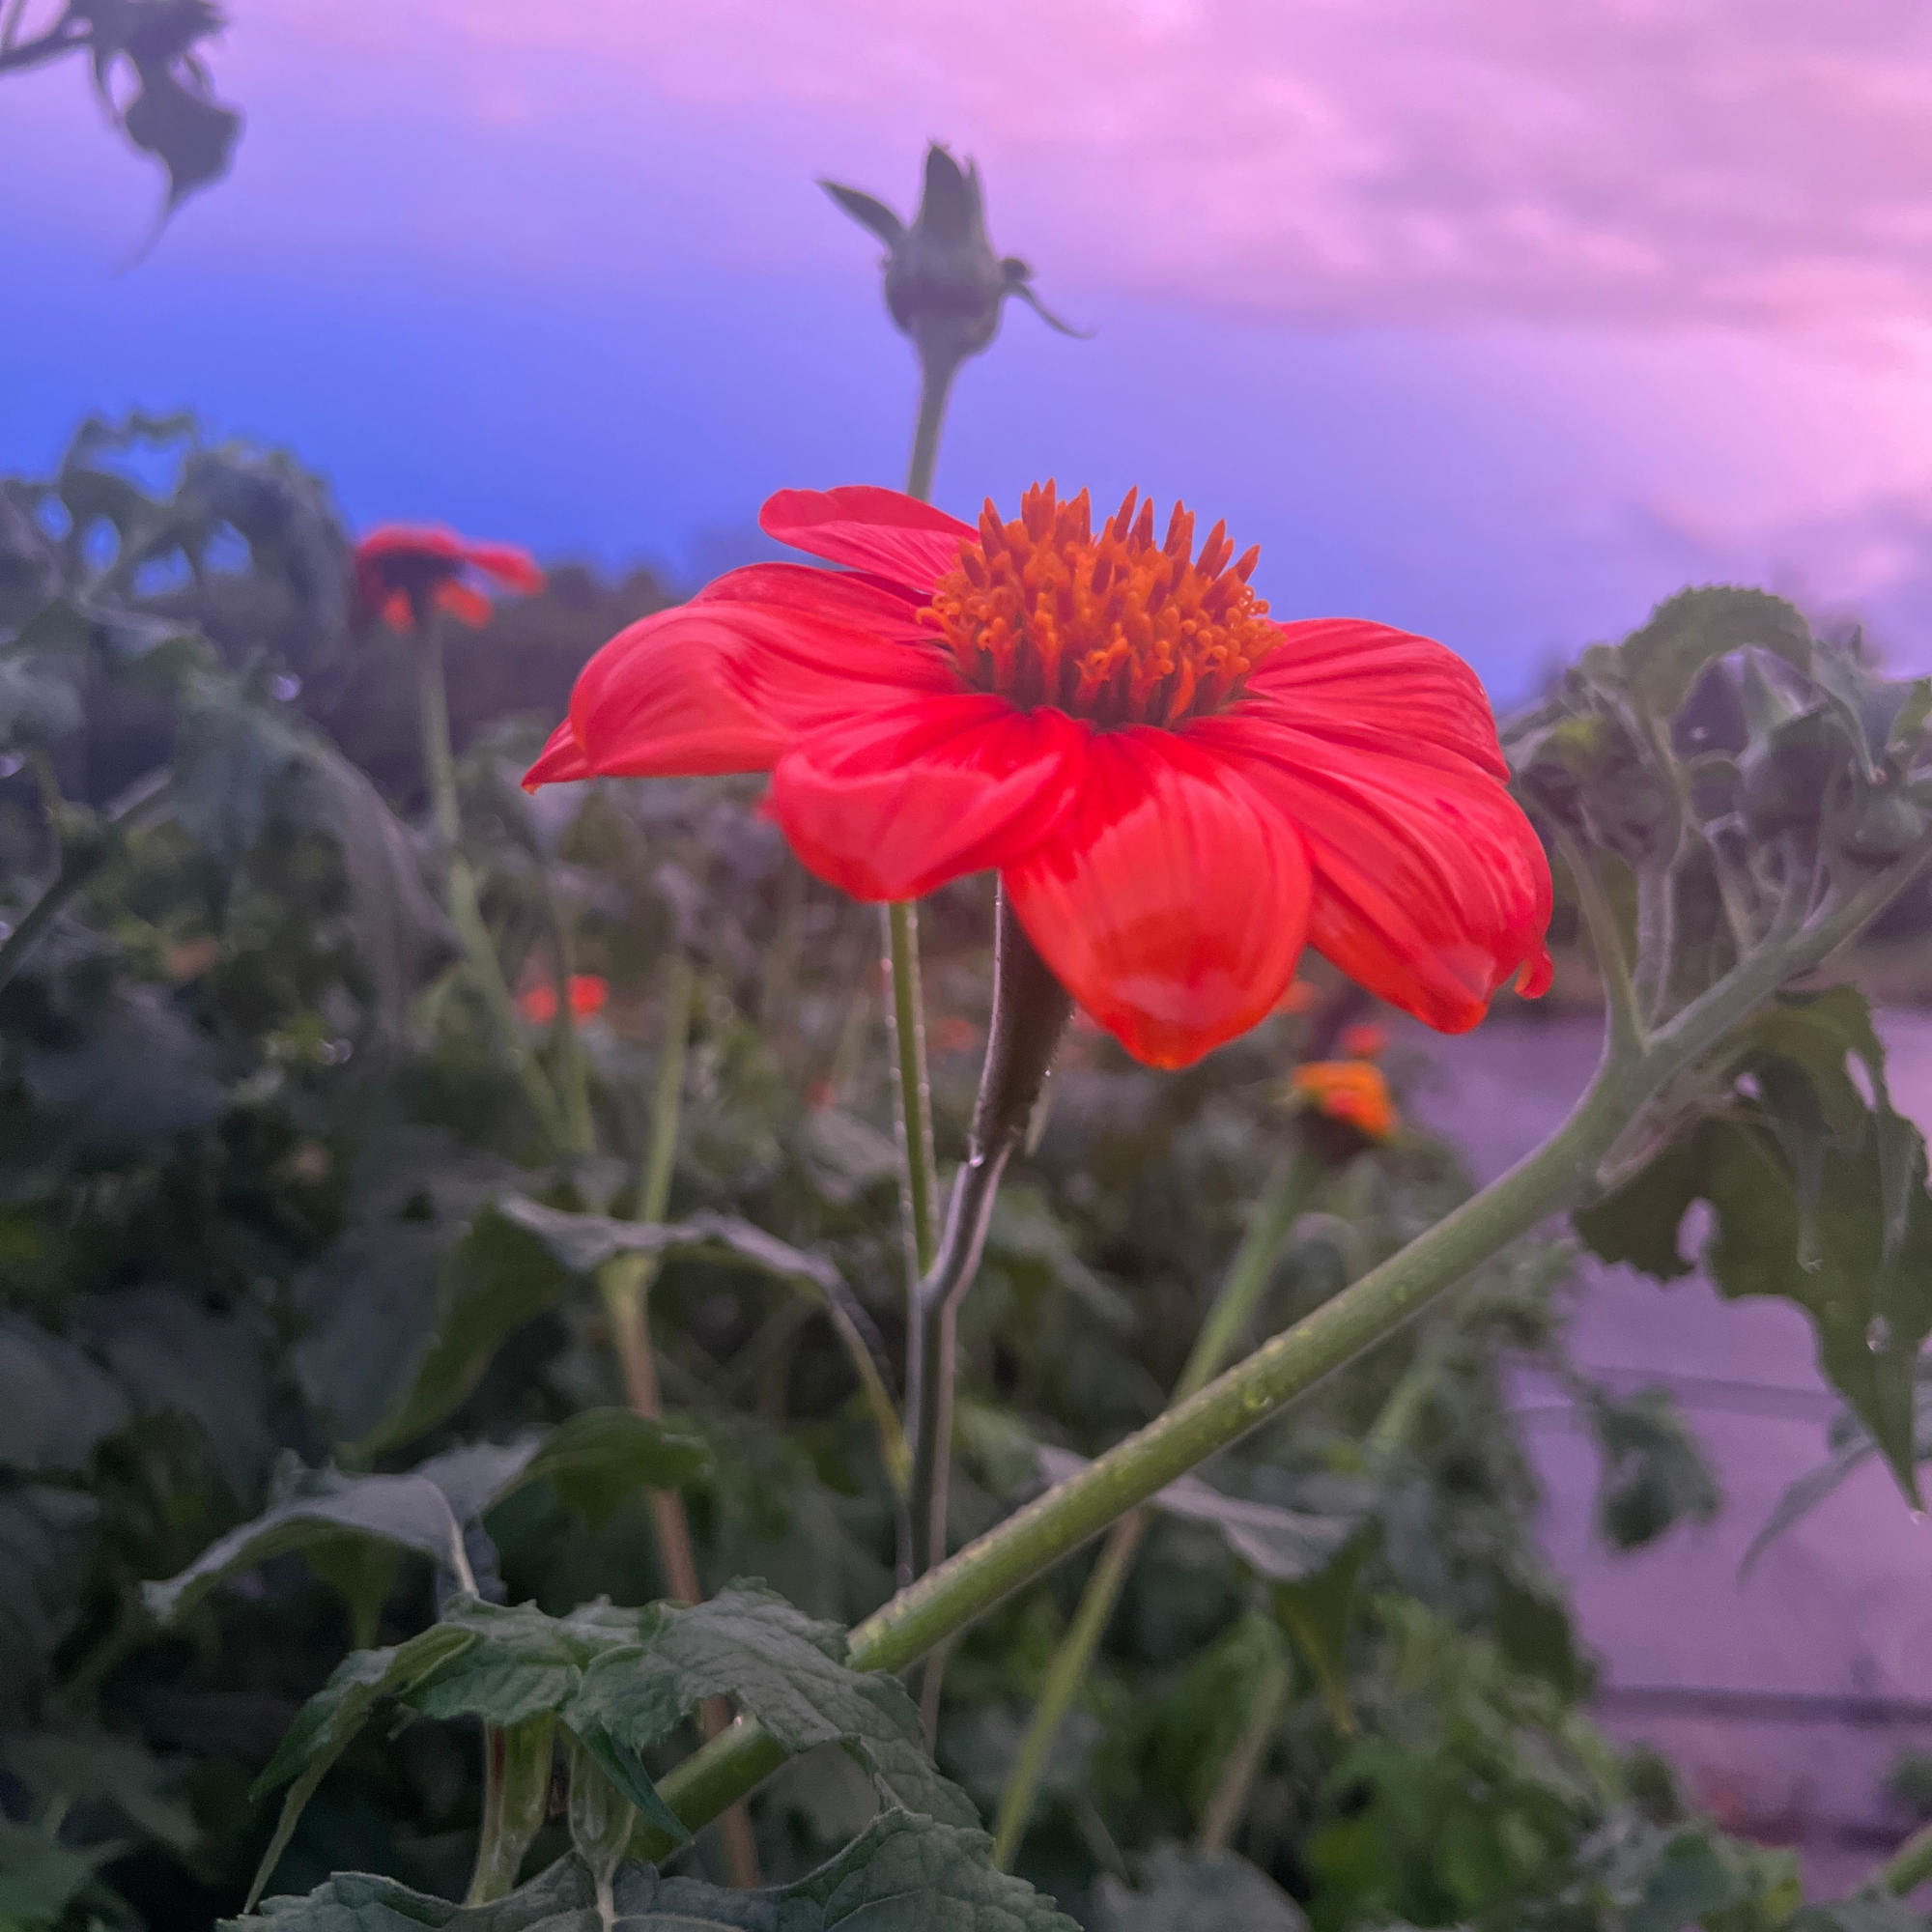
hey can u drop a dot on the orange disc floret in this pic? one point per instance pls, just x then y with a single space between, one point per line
1114 627
1349 1090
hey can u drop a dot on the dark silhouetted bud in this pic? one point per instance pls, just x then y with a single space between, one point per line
944 285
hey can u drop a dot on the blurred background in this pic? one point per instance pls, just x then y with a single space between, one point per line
1488 318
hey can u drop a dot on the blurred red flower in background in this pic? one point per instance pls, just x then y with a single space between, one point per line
1177 791
402 573
589 994
1364 1040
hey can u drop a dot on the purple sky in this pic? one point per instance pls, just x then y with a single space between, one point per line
1486 317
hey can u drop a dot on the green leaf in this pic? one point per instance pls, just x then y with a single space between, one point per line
1182 1891
38 1877
1281 1545
1860 1915
1315 1613
496 1279
1870 1308
59 1405
1663 658
585 1242
601 1456
312 1505
523 1664
327 1725
782 1666
1653 1474
901 1874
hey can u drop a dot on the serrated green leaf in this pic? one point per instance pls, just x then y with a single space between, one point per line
327 1725
521 1664
1663 658
784 1668
601 1456
901 1874
1871 1309
1181 1891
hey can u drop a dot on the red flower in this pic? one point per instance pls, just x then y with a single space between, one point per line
399 570
1177 791
588 995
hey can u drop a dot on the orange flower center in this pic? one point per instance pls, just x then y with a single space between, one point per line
1113 627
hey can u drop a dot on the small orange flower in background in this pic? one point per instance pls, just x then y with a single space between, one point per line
588 994
1364 1040
1177 791
1349 1090
400 570
955 1035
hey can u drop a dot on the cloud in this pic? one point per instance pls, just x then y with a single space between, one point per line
1338 162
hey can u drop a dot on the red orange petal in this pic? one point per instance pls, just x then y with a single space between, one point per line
726 682
1360 684
892 804
1173 900
465 603
1431 887
869 528
560 760
513 568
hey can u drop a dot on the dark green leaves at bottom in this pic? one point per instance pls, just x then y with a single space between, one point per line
784 1668
901 1874
1871 1309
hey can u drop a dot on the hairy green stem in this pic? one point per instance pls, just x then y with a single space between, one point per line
1037 1537
1599 921
1247 1278
516 1799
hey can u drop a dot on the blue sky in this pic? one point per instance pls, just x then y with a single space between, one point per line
563 278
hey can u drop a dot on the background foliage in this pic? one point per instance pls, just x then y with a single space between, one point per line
274 1216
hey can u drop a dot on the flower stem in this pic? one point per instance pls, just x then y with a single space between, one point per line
935 389
1368 1310
460 894
912 1091
1030 1010
1245 1760
625 1284
1248 1274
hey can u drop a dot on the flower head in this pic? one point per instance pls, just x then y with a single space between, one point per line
403 572
1349 1091
1178 790
588 994
944 285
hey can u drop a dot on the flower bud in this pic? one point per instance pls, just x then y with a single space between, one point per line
944 284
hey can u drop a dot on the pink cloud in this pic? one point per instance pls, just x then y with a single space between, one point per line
1333 162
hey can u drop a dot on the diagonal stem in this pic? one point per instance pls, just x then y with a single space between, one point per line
1228 1319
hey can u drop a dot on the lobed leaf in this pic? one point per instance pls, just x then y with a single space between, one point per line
901 1874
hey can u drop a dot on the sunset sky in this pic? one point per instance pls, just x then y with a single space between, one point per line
1488 317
